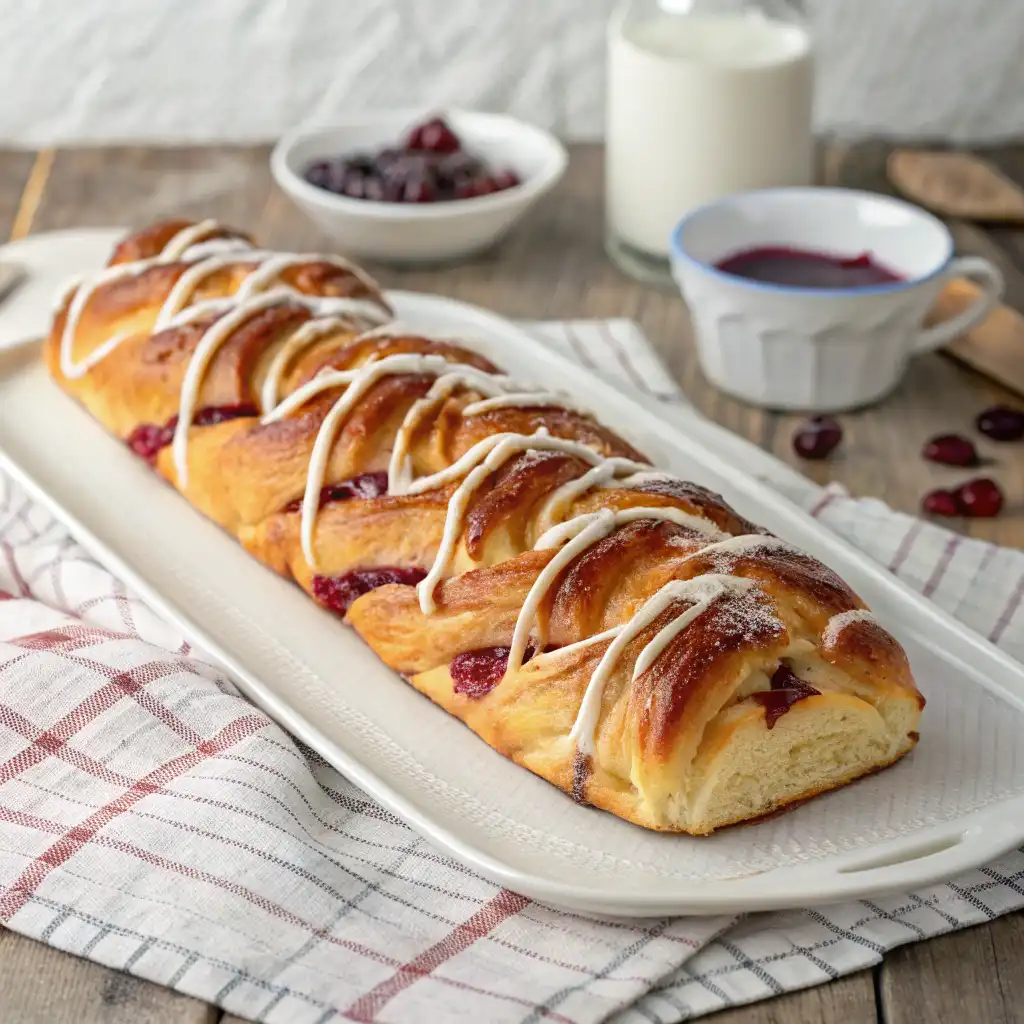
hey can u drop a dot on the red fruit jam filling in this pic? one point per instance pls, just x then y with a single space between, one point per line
817 437
338 592
951 450
147 439
787 689
364 486
476 673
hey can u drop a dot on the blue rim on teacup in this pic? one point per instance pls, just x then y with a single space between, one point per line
679 251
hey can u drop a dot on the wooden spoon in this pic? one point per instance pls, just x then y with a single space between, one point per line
956 185
995 347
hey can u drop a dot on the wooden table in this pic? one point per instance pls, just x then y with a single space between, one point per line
554 267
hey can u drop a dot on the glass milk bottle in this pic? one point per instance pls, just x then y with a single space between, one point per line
705 98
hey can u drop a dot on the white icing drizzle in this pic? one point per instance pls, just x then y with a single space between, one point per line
741 544
216 247
309 333
202 310
178 297
523 400
185 240
188 237
543 658
85 290
216 335
269 268
599 476
213 255
644 475
178 244
839 622
702 591
581 533
206 348
357 382
400 466
615 518
487 456
276 264
461 466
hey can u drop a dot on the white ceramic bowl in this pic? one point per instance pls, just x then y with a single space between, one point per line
815 349
429 232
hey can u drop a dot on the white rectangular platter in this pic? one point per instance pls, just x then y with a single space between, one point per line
956 802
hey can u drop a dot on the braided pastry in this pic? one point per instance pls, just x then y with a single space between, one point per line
620 632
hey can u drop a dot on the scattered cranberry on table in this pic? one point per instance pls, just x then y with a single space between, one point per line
951 450
978 499
941 503
429 167
1002 423
817 437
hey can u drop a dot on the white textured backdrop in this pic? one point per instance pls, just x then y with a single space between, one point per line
202 70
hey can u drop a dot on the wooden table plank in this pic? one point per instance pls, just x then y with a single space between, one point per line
15 170
970 976
40 985
846 1001
131 186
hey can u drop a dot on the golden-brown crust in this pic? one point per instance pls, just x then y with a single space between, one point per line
669 744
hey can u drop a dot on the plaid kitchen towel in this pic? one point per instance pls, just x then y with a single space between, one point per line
154 821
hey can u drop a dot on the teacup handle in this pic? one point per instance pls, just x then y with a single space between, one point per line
989 277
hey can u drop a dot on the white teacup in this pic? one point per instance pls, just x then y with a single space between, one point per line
794 347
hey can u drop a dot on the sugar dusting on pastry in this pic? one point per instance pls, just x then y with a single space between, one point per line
836 624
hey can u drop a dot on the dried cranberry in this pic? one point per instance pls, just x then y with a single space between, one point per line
980 498
407 166
339 592
354 185
319 173
339 175
387 158
373 188
147 439
941 503
951 450
362 163
419 190
458 168
1002 423
817 437
505 179
434 136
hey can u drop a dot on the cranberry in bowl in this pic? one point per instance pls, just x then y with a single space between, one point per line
415 186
